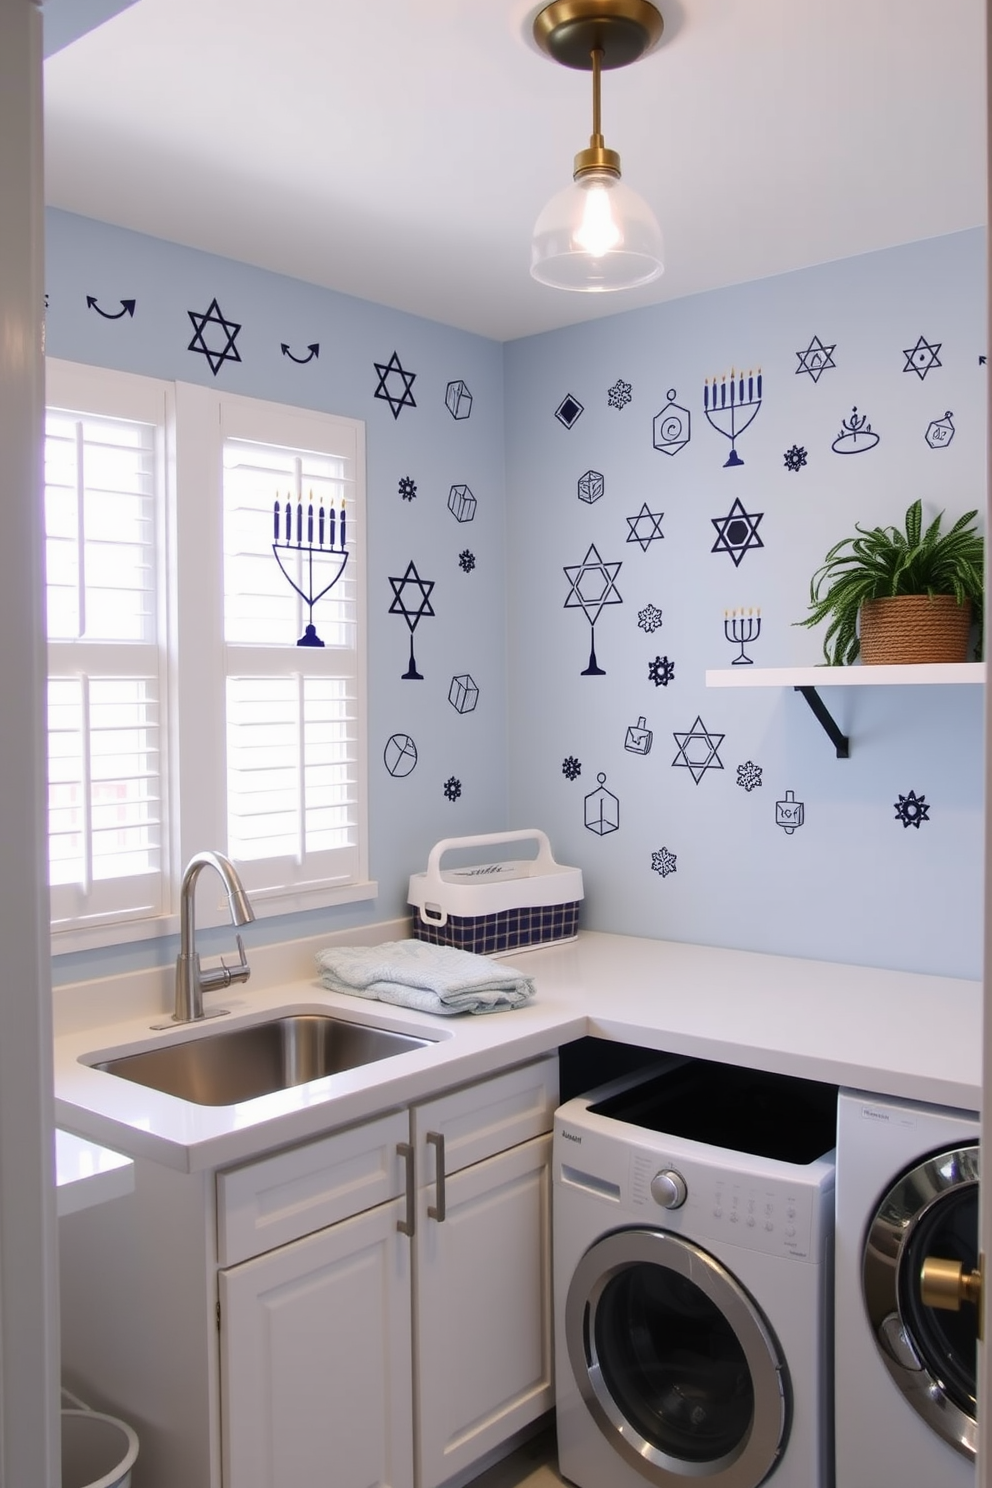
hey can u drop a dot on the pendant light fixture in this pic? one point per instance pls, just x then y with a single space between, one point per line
597 234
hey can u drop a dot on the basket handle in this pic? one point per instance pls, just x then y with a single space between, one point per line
544 860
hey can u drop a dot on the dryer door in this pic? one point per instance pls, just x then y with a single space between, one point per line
932 1210
674 1361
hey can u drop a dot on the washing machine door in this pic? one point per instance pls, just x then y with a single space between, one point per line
931 1210
674 1361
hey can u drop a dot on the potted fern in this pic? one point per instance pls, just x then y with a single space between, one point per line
892 596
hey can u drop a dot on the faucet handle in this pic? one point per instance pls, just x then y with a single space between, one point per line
224 975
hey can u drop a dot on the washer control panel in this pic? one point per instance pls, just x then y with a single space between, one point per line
763 1213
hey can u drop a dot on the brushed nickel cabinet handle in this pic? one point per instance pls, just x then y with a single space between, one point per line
406 1226
437 1211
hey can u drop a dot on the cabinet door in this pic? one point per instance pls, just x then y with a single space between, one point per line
483 1308
316 1360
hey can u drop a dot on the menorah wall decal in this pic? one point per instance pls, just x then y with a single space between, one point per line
732 415
317 565
741 630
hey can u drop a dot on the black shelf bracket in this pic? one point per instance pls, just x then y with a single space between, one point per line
840 741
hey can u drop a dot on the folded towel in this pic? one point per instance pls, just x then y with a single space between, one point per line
434 979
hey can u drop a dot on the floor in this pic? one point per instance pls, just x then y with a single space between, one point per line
534 1465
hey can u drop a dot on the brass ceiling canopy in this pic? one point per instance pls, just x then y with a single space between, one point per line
569 31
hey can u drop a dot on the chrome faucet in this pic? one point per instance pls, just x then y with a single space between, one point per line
191 982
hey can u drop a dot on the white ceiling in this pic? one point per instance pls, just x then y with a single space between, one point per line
400 150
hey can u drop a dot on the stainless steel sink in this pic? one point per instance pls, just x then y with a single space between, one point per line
229 1065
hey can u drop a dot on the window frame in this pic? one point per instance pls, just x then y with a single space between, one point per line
191 421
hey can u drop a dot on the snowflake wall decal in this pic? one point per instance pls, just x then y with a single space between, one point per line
795 458
749 776
663 862
452 788
911 810
570 767
466 561
407 488
661 671
619 395
649 619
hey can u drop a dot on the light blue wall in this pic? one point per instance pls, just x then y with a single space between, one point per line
853 883
425 443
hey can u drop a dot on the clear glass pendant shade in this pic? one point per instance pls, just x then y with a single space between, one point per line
597 235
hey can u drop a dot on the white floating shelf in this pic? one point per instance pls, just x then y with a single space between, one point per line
853 676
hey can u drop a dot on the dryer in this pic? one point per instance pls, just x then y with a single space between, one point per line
692 1219
907 1188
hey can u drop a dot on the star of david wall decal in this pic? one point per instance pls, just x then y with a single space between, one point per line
697 751
816 359
217 346
592 586
737 532
391 374
412 600
645 528
922 357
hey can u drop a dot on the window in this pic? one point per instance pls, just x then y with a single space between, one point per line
194 540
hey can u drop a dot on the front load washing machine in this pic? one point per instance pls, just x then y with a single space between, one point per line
692 1217
907 1188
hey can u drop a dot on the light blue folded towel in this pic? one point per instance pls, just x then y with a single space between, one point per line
414 974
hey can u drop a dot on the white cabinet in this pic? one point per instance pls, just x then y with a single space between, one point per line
349 1344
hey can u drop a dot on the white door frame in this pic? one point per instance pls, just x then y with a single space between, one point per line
29 1343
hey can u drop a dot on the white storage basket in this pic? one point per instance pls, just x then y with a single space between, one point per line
493 908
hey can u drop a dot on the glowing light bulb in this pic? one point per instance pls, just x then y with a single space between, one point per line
597 233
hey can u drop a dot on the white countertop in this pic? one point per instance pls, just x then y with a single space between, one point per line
895 1033
88 1174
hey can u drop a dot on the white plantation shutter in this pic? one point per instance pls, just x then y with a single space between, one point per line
103 493
293 785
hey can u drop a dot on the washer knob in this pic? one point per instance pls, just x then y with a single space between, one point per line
668 1189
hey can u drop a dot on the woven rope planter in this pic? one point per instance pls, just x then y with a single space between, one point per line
914 628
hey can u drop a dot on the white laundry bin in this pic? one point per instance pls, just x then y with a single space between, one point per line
98 1451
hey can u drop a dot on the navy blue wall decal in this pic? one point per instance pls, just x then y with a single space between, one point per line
570 767
731 416
672 427
212 316
982 359
737 532
742 630
602 809
697 751
645 528
400 756
466 560
649 619
568 410
590 486
407 488
661 671
463 694
911 810
452 788
458 399
593 586
313 351
663 862
461 503
311 568
749 776
638 738
619 395
795 458
922 357
127 308
855 435
413 609
816 359
789 813
941 432
388 373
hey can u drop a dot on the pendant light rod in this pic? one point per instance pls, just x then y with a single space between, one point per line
597 114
